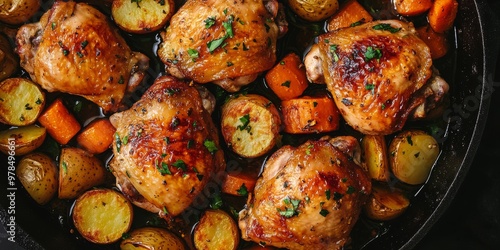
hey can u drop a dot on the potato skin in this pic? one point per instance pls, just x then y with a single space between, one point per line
78 171
38 175
385 203
152 238
25 139
102 216
216 230
22 101
143 16
374 157
8 61
314 10
412 155
18 11
259 135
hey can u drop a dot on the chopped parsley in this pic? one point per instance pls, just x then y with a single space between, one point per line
387 27
180 164
209 22
333 51
216 201
290 211
118 142
243 191
245 120
372 53
193 53
210 145
324 212
163 169
286 84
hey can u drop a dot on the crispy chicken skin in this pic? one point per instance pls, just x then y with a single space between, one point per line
74 49
166 148
307 197
225 42
375 72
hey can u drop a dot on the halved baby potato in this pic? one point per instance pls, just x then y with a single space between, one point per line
21 101
152 238
78 171
374 157
250 125
22 139
37 173
142 16
102 216
216 230
18 11
385 203
413 153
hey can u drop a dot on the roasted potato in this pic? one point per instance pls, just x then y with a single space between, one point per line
385 203
413 153
18 11
22 139
102 215
374 157
8 62
78 171
37 173
152 238
250 125
21 101
142 16
314 10
216 230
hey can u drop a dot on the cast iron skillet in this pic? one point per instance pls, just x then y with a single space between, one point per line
472 85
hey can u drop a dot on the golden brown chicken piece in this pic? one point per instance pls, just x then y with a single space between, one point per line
166 148
225 42
74 49
375 72
308 197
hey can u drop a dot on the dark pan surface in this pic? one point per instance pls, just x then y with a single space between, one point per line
468 75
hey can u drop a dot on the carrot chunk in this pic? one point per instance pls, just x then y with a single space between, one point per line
310 115
97 136
351 13
412 7
437 42
59 122
442 15
288 78
238 183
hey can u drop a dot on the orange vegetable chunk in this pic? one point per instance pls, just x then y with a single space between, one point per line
442 15
234 182
97 136
310 115
412 7
349 13
59 122
288 78
437 42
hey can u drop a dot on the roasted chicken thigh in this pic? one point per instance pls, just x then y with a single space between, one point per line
74 49
225 42
166 148
308 197
376 73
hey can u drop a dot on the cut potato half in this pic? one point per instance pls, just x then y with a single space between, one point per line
216 230
37 173
385 203
21 101
142 16
152 238
102 216
22 139
250 125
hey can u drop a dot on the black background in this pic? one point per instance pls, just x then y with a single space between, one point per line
472 220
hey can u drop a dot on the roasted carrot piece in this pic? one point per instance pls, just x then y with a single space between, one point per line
437 42
442 15
412 7
287 79
59 122
97 136
310 115
350 14
238 183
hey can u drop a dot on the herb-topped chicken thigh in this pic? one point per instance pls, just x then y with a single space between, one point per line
166 148
378 74
225 42
307 197
74 49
